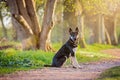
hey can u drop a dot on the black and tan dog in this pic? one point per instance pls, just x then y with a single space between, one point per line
66 51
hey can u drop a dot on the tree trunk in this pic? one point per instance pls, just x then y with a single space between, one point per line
102 29
65 32
20 32
110 24
67 18
33 16
108 41
47 25
48 43
81 27
80 22
25 22
96 30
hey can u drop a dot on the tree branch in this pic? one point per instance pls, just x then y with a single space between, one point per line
23 22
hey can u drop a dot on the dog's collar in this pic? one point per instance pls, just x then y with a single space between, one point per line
74 43
71 41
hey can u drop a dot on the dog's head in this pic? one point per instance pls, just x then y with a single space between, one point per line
74 34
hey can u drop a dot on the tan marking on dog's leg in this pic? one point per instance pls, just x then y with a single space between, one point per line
75 62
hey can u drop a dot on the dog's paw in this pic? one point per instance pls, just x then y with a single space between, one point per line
77 67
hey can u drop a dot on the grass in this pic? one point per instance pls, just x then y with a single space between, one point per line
92 53
111 74
118 46
14 60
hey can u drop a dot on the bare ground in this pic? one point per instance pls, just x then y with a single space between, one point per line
89 71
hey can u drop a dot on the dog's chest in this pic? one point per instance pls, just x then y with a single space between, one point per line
74 49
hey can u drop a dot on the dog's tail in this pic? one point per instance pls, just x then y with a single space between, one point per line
47 65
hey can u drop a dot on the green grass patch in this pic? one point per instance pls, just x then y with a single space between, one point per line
119 46
13 60
97 47
111 74
92 53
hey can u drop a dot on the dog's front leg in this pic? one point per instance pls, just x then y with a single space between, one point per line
73 57
75 62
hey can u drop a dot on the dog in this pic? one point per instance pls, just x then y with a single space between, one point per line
68 50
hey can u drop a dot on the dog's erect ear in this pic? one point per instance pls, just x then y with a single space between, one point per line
77 30
70 30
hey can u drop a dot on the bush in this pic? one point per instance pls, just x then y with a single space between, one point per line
12 58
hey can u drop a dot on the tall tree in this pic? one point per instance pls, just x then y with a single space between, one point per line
47 25
101 8
25 21
110 23
101 29
80 20
96 8
111 19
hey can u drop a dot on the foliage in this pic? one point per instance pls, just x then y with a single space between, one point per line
4 9
100 6
95 6
39 3
111 74
13 58
69 5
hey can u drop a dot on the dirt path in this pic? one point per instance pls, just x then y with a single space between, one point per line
89 71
